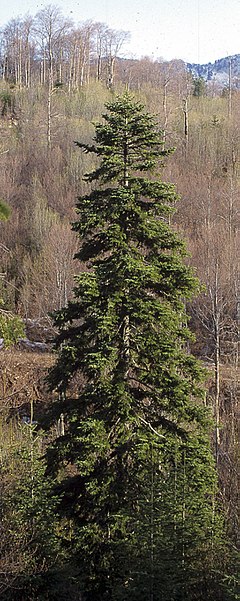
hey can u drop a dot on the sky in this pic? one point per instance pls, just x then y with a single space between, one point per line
198 31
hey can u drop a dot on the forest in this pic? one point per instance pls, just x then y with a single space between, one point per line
119 321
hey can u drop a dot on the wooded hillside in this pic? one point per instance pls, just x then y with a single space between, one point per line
55 81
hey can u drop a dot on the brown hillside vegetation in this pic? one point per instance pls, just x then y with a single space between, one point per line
22 381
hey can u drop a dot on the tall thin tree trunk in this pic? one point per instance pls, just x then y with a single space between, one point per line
230 89
49 119
185 113
217 365
50 91
165 112
20 64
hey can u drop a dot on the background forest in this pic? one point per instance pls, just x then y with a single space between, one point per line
55 81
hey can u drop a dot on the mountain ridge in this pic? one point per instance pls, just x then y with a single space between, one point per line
220 71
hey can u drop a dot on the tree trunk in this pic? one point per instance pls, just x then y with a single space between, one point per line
185 113
165 111
217 365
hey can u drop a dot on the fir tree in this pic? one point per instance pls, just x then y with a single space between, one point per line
138 478
29 548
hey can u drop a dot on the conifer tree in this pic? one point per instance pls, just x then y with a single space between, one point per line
29 549
138 479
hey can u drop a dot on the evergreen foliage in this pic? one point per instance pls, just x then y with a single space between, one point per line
136 471
199 87
29 540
